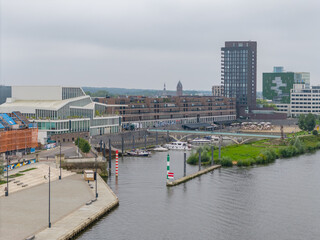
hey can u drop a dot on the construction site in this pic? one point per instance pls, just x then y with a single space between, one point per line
17 134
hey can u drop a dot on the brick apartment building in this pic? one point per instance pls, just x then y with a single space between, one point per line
195 108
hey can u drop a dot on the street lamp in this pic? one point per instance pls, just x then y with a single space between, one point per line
60 162
96 178
49 198
7 191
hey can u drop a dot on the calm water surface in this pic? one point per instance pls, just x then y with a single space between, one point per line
278 201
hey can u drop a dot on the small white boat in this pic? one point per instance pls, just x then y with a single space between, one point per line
159 148
178 146
138 153
200 141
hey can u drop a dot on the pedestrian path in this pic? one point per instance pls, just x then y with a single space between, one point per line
24 213
77 221
32 178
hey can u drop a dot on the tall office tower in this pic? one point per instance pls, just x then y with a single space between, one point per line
179 89
239 73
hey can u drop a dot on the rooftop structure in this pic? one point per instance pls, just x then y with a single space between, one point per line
217 90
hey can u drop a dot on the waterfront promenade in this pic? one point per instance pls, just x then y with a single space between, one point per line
25 213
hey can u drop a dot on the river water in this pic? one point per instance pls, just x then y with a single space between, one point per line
278 201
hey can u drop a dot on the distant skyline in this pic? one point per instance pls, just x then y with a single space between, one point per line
143 44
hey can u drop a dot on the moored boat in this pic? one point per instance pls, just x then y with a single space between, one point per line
178 146
138 153
159 148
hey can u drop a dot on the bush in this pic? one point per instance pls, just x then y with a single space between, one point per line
83 145
226 162
245 163
315 132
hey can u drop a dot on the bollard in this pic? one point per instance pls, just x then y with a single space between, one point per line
212 151
185 164
116 163
199 159
109 155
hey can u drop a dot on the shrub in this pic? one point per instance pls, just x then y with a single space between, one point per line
315 132
226 162
245 163
83 145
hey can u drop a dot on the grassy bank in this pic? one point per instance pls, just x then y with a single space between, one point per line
259 152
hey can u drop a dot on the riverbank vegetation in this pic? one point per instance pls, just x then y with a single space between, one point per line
258 152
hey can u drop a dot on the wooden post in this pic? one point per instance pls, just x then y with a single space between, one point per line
122 143
212 151
199 159
156 138
185 164
133 141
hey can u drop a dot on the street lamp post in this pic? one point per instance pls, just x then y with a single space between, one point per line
96 179
7 191
49 199
60 162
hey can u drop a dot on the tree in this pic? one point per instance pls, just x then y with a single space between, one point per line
301 121
307 123
310 122
83 145
86 147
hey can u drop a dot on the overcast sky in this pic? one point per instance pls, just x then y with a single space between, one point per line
145 43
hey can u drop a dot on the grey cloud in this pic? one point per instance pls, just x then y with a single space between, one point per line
145 43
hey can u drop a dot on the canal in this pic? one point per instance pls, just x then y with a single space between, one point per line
278 201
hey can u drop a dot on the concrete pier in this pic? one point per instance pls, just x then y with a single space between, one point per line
191 176
79 220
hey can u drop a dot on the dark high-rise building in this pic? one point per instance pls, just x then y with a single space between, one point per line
239 73
179 89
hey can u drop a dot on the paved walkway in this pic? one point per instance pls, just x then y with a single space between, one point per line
32 178
75 222
25 213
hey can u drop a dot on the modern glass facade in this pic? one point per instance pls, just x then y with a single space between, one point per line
72 92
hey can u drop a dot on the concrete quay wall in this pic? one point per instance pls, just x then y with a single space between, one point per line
79 220
191 176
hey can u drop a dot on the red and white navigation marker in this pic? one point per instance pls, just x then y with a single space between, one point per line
117 163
